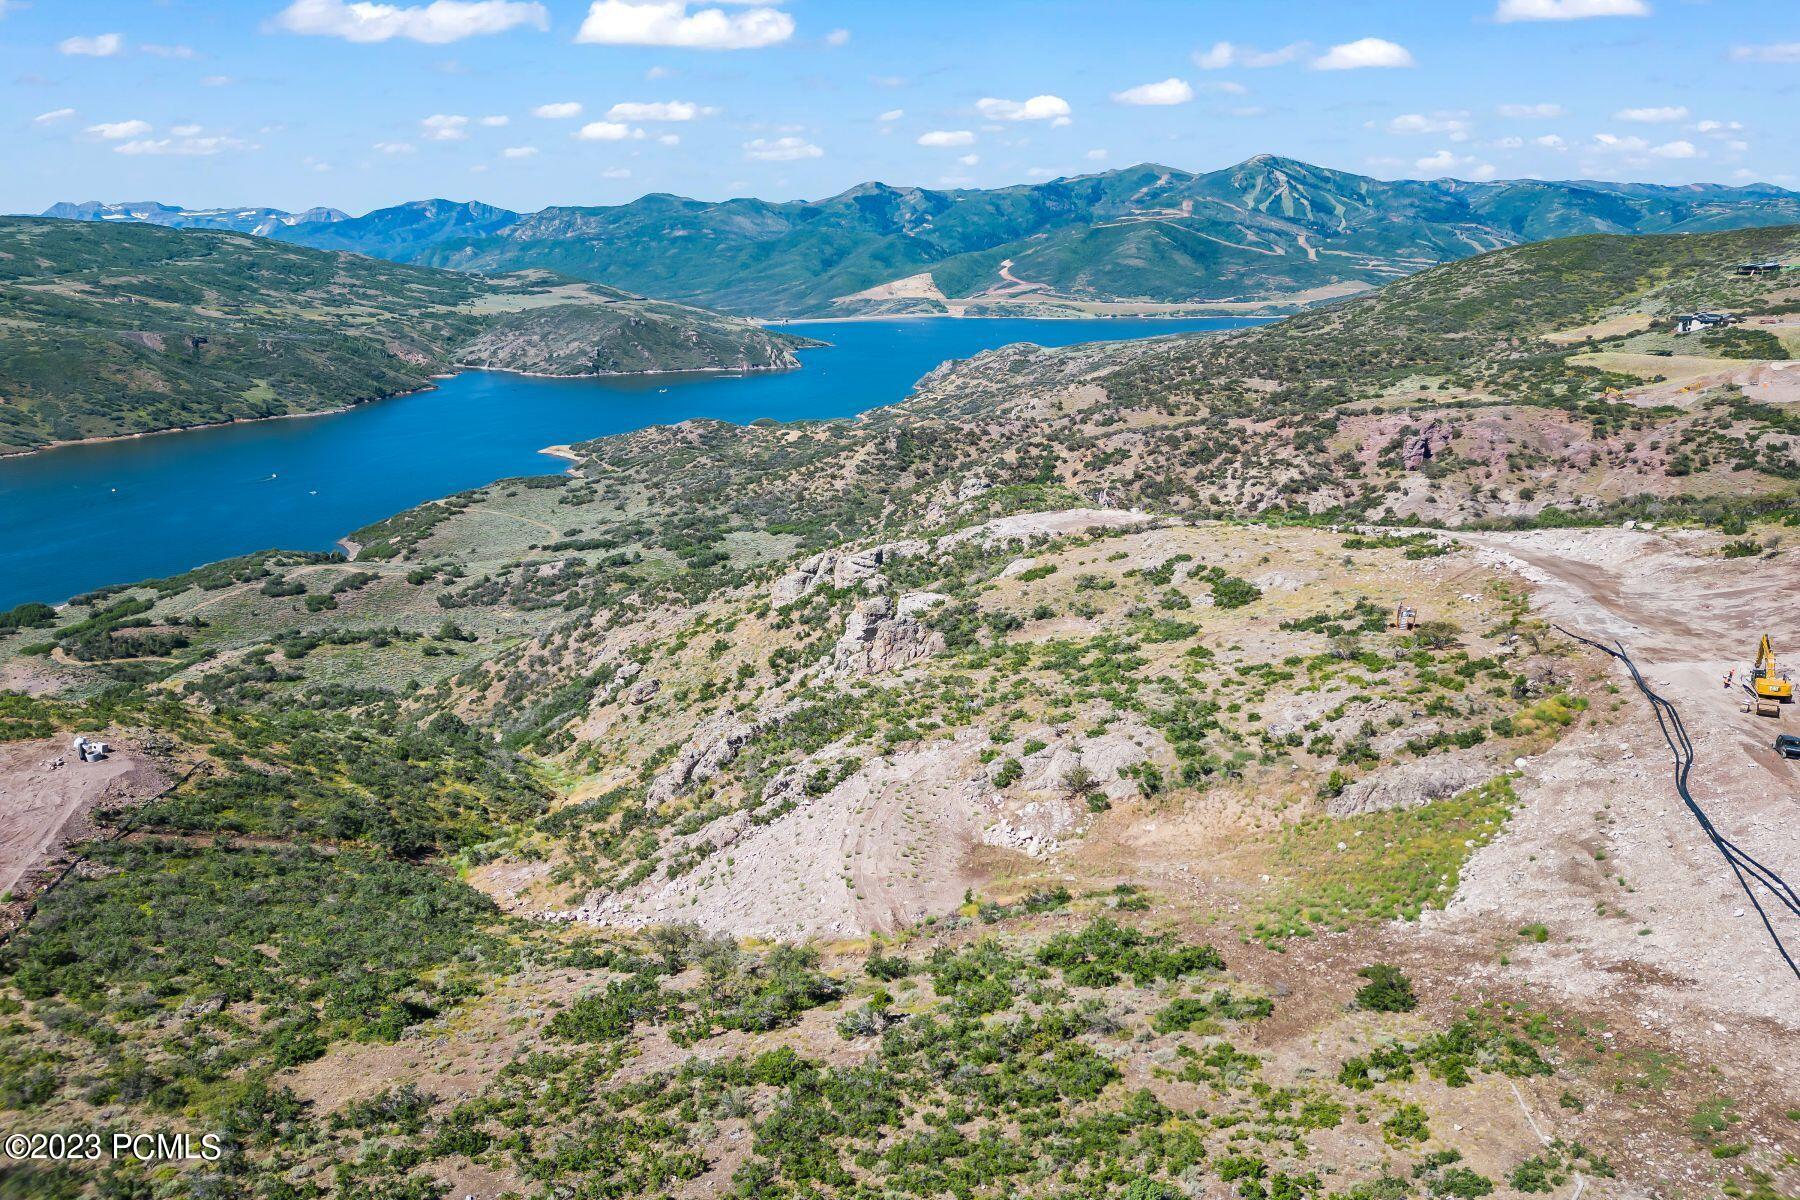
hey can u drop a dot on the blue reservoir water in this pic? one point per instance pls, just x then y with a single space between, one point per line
79 517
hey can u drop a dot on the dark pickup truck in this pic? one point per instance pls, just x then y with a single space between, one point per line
1788 745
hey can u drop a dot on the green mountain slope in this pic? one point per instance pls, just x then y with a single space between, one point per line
122 329
1270 230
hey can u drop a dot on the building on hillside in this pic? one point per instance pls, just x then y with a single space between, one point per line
1759 268
1695 322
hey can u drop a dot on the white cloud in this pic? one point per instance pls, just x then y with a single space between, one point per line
1653 116
670 139
396 148
435 23
1719 128
668 23
1444 162
1676 149
1509 143
891 115
942 138
607 131
1551 141
104 45
444 127
186 145
53 116
495 122
1224 87
1568 10
1229 54
1096 155
118 131
787 149
666 110
656 73
181 52
187 131
1038 108
838 37
216 81
1778 52
1531 112
562 110
1455 126
1364 53
1169 91
970 160
519 152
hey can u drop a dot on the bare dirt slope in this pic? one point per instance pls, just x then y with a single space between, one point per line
1640 906
48 794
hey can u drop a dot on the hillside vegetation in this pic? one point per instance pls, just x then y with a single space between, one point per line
1021 791
1269 231
119 329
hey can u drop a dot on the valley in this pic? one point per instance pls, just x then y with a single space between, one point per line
1026 788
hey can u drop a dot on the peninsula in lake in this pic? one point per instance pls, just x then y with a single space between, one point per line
127 328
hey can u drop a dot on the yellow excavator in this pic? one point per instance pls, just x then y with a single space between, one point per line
1770 687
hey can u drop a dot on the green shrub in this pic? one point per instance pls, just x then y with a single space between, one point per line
1388 990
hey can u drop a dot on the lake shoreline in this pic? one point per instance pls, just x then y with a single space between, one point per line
165 506
462 368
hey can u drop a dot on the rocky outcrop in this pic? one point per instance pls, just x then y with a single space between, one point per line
877 639
1427 444
842 569
714 744
914 603
1412 784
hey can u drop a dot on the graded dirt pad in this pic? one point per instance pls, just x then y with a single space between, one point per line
1642 910
46 794
1683 378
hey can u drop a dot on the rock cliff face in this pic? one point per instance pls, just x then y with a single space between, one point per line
878 639
627 337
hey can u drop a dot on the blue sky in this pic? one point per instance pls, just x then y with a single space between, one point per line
527 103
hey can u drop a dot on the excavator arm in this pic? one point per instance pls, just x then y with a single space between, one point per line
1766 679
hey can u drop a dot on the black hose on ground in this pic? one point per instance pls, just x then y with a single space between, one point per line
1742 864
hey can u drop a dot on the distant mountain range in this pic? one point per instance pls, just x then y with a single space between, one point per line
261 221
1271 231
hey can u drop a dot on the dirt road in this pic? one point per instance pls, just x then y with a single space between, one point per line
1639 904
